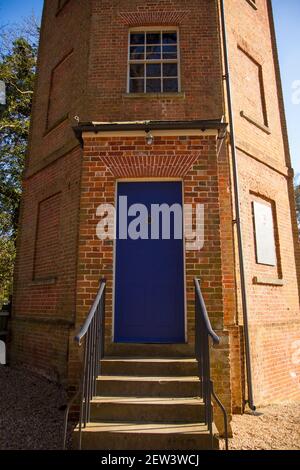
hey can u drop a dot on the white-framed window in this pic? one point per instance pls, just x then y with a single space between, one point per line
153 60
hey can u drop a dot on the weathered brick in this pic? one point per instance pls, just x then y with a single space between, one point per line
52 297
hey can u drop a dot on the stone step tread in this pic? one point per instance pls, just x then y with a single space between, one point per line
131 378
150 350
170 360
147 428
148 400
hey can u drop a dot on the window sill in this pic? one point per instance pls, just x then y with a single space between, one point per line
253 4
153 95
262 127
265 281
44 282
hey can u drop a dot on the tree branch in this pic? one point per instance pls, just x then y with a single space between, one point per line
9 126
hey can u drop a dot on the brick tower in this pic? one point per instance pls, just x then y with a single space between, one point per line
133 92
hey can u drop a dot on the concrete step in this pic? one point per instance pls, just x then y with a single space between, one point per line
174 387
154 410
146 436
142 366
150 350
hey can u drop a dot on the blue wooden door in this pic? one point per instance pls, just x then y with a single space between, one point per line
149 273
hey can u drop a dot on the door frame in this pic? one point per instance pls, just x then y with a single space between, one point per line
149 180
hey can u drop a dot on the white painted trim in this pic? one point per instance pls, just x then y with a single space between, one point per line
184 268
114 266
158 133
154 29
130 180
128 64
179 61
150 179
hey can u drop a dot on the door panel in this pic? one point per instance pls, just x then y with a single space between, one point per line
149 274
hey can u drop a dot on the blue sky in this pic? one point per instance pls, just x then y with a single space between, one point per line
287 16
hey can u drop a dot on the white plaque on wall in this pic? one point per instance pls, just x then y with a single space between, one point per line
264 234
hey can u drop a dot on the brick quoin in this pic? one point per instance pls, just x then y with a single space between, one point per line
82 73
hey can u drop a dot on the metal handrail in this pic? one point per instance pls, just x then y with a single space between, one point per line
204 331
210 331
92 335
79 337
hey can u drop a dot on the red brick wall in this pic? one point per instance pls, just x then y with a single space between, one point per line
251 76
42 346
229 280
61 85
47 249
97 32
59 101
45 273
273 310
98 187
264 162
250 30
94 86
200 68
95 257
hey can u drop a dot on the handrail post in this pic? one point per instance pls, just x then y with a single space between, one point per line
91 333
204 331
83 378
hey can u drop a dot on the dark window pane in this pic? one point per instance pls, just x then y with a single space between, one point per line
153 38
170 70
153 70
170 38
136 86
153 49
153 86
172 49
153 57
171 85
137 57
137 38
169 56
153 53
137 53
137 70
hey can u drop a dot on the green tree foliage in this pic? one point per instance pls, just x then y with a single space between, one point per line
17 70
7 258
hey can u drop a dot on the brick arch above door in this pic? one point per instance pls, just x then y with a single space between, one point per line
129 155
134 166
148 18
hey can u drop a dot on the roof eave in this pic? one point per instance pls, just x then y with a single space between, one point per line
148 126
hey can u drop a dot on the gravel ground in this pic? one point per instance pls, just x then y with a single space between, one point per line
31 411
32 416
275 427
